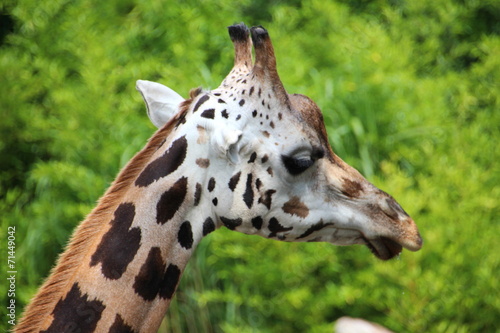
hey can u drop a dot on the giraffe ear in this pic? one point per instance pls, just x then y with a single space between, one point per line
161 101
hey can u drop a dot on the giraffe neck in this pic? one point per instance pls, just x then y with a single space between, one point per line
135 268
122 266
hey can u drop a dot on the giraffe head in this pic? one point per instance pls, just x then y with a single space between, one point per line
259 160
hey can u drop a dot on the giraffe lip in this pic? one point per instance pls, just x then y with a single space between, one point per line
383 248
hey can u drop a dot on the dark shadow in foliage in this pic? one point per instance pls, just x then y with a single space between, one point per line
7 25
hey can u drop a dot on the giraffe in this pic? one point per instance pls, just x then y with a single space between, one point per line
247 156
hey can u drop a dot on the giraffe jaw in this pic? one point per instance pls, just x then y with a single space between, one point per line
383 248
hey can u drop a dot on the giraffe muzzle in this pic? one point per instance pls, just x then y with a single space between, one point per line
387 247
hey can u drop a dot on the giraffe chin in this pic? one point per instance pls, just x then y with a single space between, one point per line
383 248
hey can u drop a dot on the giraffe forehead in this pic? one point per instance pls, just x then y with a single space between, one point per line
242 96
252 111
248 102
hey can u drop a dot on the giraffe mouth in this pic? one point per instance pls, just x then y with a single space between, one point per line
383 248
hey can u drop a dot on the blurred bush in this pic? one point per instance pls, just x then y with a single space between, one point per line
409 90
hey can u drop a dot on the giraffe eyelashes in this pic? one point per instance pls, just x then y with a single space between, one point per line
299 163
296 166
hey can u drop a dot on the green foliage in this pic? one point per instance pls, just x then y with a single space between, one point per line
409 90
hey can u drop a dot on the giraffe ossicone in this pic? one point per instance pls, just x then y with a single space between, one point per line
246 155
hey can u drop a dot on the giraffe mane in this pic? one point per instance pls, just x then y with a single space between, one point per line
72 257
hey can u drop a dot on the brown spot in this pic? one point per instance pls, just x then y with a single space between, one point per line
147 282
211 184
203 162
75 313
248 195
258 184
119 326
266 199
252 157
119 244
275 227
170 281
351 188
180 119
202 100
265 133
197 194
185 235
234 181
257 222
295 207
202 138
231 223
315 227
164 165
171 201
208 226
270 171
208 113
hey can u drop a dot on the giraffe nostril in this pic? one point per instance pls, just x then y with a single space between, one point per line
392 209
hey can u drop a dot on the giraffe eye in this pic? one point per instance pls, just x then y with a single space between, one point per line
296 166
299 163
